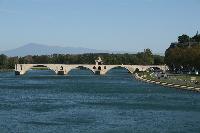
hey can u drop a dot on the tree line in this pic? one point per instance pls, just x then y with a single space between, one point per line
141 58
184 55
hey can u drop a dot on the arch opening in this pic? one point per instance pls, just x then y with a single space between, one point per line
81 70
21 67
40 70
99 68
61 68
118 70
137 70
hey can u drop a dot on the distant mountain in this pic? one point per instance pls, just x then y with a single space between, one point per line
40 49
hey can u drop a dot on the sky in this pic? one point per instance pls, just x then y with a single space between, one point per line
117 25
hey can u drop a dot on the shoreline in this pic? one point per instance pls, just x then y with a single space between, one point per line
171 85
6 70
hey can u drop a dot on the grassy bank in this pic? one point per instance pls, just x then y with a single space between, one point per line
182 80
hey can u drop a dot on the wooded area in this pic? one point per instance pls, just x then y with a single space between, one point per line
184 55
141 58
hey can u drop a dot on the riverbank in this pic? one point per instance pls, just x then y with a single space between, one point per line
6 70
168 82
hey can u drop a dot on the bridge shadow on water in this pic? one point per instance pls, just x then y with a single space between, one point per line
78 72
33 73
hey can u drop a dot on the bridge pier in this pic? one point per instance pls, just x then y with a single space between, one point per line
61 73
19 73
97 72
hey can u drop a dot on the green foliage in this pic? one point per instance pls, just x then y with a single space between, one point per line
183 39
196 38
180 56
158 60
3 60
7 63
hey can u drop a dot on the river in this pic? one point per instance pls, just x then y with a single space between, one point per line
41 101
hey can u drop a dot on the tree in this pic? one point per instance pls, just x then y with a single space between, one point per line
158 60
148 57
196 38
11 62
3 61
180 58
183 38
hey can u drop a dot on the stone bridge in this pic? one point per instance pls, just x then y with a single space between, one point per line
64 69
98 68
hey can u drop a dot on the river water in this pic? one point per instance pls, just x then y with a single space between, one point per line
41 101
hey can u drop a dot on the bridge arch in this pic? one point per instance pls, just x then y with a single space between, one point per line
120 66
90 68
50 67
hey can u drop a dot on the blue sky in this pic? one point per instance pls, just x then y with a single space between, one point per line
124 25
